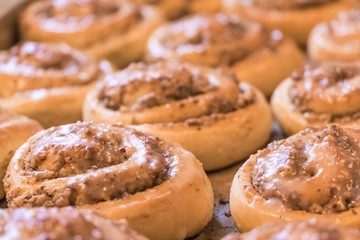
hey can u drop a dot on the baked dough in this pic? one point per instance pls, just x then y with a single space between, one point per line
309 229
60 224
316 97
160 188
313 174
205 110
247 48
338 40
47 82
14 131
295 18
114 29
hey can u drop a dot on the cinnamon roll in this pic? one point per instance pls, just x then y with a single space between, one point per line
47 82
337 40
207 111
14 131
60 224
157 186
309 229
247 48
316 97
313 174
114 29
295 18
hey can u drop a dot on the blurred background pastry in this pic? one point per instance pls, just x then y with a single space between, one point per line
338 40
312 174
14 131
249 49
60 224
318 96
295 18
47 82
160 188
207 111
113 29
311 229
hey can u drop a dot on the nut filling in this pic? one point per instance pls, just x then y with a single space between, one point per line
216 39
33 65
285 4
141 87
316 171
326 94
87 163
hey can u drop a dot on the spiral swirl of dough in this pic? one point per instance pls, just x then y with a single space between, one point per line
284 4
337 40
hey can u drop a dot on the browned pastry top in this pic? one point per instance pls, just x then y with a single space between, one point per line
146 86
316 170
327 93
86 163
285 4
60 224
216 39
310 229
33 65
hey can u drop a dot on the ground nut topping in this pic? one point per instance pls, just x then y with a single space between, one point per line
310 229
316 170
328 92
213 39
285 4
143 86
87 163
59 224
346 27
77 15
194 91
33 66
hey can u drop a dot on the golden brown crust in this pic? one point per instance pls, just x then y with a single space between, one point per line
14 131
316 97
89 25
62 223
311 174
294 18
337 41
194 106
47 82
298 230
220 40
116 171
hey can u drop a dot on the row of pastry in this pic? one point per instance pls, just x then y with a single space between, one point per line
157 186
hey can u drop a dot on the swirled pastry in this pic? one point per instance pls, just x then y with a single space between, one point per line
114 29
47 82
247 48
60 224
312 174
337 40
14 131
295 18
157 186
316 97
311 229
207 111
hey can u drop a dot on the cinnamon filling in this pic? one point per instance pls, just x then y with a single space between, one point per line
93 162
316 170
33 65
286 4
326 94
215 39
143 86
